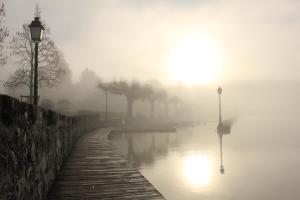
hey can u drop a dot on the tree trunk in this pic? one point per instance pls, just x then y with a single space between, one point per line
167 109
175 109
129 107
152 103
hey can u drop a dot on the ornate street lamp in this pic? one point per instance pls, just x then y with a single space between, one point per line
36 32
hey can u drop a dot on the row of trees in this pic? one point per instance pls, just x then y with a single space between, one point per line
134 90
21 50
53 68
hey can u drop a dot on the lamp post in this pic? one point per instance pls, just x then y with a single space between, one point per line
220 130
36 32
219 93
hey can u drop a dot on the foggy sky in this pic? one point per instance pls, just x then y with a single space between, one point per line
132 38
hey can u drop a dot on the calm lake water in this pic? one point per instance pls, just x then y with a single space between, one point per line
260 156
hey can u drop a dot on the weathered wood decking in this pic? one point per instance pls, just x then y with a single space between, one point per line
95 170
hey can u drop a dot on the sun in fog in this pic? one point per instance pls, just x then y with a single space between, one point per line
197 169
194 60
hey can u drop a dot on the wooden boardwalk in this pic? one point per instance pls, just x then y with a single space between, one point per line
95 170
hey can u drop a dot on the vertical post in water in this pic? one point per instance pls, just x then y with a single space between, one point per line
220 114
106 104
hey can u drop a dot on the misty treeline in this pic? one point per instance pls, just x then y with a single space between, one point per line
125 98
58 92
19 51
134 90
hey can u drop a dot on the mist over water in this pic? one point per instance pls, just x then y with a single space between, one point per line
240 99
260 157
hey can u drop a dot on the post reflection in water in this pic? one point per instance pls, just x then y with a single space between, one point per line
223 128
189 164
141 151
144 149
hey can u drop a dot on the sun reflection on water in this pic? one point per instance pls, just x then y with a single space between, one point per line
197 169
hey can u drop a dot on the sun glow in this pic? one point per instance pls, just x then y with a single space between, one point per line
197 170
195 60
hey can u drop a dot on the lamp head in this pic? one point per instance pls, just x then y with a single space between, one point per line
219 90
36 30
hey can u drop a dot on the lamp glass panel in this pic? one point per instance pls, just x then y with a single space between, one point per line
41 34
36 33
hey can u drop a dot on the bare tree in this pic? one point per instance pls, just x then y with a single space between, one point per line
3 34
175 100
148 93
132 92
152 94
163 97
50 71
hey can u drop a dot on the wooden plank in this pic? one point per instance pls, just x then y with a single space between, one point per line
96 170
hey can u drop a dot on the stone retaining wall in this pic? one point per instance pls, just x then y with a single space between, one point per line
34 142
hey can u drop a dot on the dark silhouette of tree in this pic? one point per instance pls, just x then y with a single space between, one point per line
132 92
3 35
149 95
152 94
51 73
175 101
89 78
163 98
